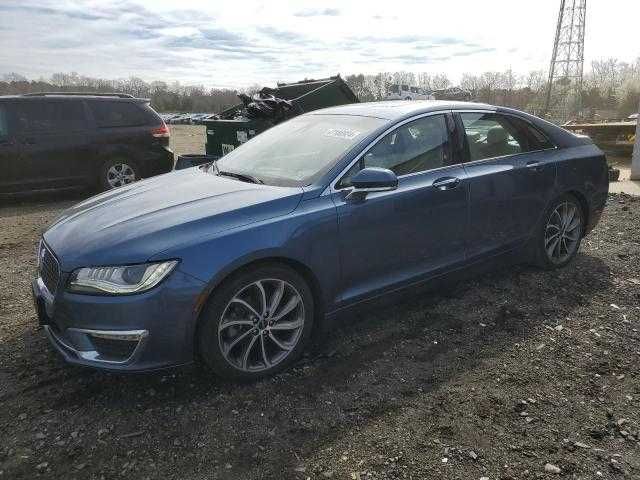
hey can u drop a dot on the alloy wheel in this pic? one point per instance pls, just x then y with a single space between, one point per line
261 325
120 174
563 231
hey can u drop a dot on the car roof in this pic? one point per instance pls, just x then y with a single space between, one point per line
394 110
71 97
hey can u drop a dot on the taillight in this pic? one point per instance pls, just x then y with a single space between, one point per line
161 132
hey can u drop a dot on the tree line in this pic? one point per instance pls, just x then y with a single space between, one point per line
611 88
165 97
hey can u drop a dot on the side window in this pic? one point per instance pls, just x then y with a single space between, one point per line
414 147
490 135
4 123
117 114
70 116
49 117
34 116
535 138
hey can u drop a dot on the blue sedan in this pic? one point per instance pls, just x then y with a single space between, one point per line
239 263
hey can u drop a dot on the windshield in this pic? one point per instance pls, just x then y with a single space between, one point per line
299 151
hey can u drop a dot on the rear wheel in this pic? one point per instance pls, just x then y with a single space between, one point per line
559 236
118 172
257 323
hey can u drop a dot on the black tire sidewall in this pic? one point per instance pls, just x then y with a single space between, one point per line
541 258
103 184
207 332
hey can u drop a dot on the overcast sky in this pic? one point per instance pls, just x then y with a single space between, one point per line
238 43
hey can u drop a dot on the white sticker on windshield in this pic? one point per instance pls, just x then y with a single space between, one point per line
345 133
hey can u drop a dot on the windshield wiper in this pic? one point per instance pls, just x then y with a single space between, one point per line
240 176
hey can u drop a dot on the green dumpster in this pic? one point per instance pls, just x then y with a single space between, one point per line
234 128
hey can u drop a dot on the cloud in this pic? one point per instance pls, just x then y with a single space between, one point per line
410 39
318 12
284 36
218 43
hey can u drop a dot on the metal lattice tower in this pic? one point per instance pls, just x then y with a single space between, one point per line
564 90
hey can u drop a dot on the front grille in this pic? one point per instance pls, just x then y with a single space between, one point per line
49 269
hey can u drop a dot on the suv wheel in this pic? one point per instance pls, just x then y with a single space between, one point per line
257 323
117 173
558 238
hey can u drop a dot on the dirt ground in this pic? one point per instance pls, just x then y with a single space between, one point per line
495 377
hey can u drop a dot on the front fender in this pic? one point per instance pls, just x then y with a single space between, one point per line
307 236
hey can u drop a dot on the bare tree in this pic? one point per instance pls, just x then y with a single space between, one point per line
440 81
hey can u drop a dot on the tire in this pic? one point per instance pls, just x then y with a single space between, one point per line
549 252
128 169
242 341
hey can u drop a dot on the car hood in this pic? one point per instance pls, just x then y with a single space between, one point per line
132 223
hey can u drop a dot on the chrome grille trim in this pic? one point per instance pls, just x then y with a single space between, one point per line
48 268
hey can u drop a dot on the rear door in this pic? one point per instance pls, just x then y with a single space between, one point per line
9 151
54 145
511 171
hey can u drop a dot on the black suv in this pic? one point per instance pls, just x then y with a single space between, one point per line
62 140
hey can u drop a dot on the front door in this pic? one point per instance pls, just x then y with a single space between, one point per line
391 239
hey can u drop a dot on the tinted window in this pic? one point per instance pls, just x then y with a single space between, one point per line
47 116
4 122
117 114
414 147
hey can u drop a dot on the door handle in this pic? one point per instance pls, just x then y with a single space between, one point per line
533 164
446 183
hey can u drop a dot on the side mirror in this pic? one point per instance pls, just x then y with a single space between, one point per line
372 179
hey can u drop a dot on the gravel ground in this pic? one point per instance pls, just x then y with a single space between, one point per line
496 377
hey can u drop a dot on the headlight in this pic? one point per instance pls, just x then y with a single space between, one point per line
121 280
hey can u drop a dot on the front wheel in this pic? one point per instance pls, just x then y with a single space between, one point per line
558 238
257 323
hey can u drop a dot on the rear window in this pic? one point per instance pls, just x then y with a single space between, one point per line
117 114
49 116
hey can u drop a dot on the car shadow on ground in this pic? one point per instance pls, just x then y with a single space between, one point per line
372 362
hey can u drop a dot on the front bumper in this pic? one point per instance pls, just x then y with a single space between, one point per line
147 331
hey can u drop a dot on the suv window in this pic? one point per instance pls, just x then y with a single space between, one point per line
48 116
117 114
491 135
417 146
4 123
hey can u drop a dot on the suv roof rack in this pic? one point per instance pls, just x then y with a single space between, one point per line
84 94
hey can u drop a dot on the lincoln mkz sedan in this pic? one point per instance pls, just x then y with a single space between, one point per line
238 263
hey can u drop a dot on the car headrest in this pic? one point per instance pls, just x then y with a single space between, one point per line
497 135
